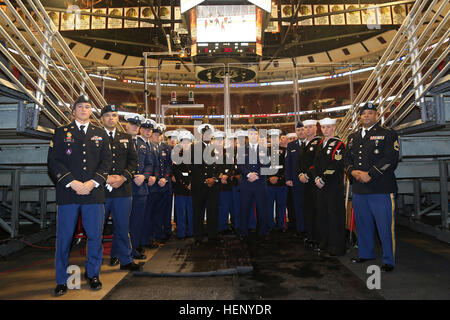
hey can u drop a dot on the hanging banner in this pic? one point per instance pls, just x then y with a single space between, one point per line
146 13
115 23
305 10
131 13
83 21
99 22
337 19
321 9
353 17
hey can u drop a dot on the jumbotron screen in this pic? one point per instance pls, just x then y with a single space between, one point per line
185 5
235 23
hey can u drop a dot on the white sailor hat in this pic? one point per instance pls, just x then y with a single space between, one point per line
148 123
205 127
172 134
291 135
309 122
231 135
134 118
161 126
185 135
241 133
327 121
218 135
180 130
274 132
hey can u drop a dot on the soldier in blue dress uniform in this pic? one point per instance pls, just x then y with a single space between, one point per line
253 185
147 236
118 188
226 195
79 159
145 168
276 184
371 157
161 190
292 180
182 188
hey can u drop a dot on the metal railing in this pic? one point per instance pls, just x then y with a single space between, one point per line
54 76
407 69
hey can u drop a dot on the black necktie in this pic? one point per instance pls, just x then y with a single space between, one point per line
82 130
365 132
111 138
135 142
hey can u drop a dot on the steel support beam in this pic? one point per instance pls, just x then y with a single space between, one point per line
15 183
443 173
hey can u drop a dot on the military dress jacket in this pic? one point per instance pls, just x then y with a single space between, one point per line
145 166
376 153
329 162
305 160
124 163
74 155
292 153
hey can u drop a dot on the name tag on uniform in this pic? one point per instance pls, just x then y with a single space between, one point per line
293 150
123 140
377 138
185 174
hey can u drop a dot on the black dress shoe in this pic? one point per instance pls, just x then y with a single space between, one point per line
131 267
113 262
95 283
60 290
140 250
140 257
359 260
197 243
387 267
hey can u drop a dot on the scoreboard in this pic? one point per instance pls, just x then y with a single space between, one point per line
226 48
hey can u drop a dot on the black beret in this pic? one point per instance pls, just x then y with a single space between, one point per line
368 106
81 99
109 108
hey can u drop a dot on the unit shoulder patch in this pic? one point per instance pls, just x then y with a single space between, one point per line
396 145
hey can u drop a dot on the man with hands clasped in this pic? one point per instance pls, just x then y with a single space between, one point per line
79 159
370 160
